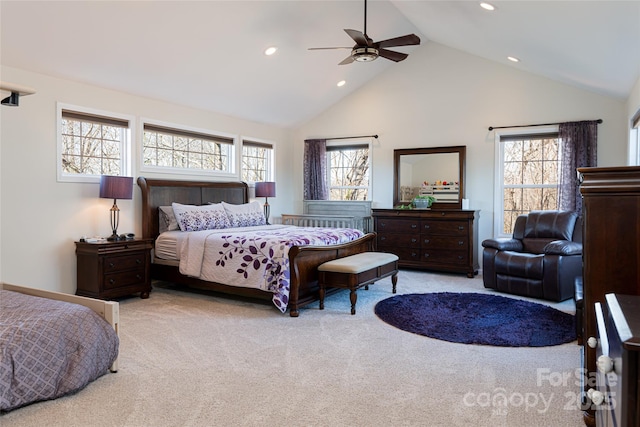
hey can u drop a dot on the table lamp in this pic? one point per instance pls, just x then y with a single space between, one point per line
115 187
266 190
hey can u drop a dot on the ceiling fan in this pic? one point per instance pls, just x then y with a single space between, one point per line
367 50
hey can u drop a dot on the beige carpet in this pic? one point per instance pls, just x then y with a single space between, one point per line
189 359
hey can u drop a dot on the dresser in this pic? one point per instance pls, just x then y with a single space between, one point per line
108 270
611 249
615 397
441 240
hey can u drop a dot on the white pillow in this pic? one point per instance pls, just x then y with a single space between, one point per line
245 215
166 219
196 218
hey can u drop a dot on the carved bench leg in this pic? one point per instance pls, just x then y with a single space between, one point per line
394 281
354 298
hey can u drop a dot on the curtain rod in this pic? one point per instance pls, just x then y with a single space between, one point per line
353 137
526 126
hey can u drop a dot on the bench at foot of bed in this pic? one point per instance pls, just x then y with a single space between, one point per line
356 271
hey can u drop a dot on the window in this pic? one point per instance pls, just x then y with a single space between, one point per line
92 143
348 169
634 141
186 151
257 161
529 175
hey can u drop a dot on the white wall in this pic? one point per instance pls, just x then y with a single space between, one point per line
441 96
633 106
41 218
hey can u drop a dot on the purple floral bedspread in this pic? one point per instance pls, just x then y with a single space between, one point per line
49 348
255 257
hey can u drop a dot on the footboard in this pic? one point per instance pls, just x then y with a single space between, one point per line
304 262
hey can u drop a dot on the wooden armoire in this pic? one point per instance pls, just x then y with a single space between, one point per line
611 250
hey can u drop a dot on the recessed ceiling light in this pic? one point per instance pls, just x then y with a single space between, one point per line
270 50
341 83
513 59
487 6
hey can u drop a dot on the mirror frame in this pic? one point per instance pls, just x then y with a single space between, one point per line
462 159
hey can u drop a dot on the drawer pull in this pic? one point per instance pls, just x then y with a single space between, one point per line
111 265
383 238
592 342
139 277
413 240
427 241
414 226
605 364
414 255
460 242
427 226
111 281
460 257
461 227
426 255
138 261
597 397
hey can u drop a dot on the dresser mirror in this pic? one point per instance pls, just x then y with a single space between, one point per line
435 171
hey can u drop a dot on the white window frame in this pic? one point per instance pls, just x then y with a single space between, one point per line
271 160
125 166
498 202
634 141
233 152
349 143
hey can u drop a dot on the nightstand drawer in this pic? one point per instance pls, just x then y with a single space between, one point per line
126 278
118 263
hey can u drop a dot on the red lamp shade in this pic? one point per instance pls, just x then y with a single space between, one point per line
116 187
265 189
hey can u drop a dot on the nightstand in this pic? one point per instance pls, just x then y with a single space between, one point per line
113 269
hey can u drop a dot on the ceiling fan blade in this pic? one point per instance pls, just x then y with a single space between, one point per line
359 37
347 60
408 40
392 55
325 48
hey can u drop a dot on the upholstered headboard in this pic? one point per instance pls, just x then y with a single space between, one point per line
162 192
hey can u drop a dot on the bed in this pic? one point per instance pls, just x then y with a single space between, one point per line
52 344
303 259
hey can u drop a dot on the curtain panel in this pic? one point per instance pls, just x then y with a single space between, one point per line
579 142
315 170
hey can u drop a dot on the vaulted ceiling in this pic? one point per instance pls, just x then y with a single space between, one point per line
209 54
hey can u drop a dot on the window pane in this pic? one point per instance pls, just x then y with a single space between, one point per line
348 173
175 150
91 148
530 176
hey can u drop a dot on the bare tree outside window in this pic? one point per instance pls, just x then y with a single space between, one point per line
173 148
92 145
531 176
256 161
348 172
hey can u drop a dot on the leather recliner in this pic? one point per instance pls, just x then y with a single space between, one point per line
541 260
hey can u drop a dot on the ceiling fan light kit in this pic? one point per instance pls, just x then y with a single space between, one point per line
366 50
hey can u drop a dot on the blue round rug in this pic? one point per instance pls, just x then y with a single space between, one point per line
470 318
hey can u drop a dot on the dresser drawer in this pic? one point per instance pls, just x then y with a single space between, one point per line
405 225
459 258
446 243
125 278
448 228
126 262
400 240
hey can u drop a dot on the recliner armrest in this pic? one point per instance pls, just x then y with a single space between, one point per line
503 244
563 247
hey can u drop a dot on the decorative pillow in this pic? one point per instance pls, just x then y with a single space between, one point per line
167 220
196 218
245 215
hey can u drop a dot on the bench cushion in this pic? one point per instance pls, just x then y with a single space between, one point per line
358 263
